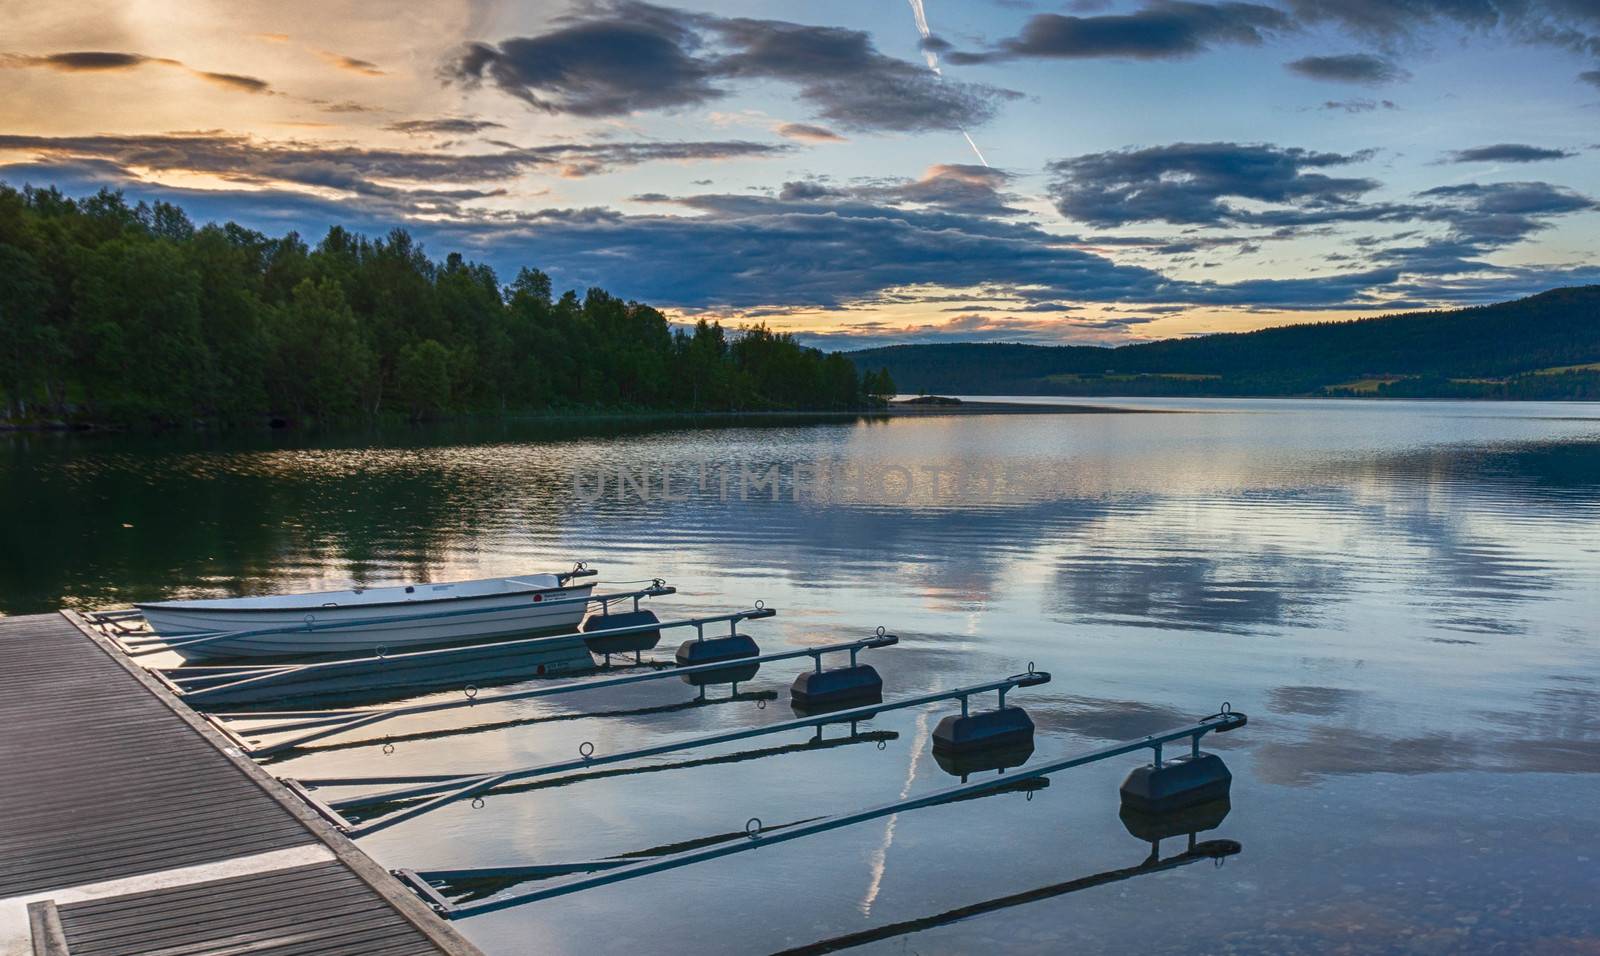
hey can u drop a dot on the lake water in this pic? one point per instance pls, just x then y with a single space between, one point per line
1404 597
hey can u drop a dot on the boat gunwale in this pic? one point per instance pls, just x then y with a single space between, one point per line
180 605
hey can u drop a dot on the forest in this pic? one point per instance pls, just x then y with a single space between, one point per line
1545 346
114 313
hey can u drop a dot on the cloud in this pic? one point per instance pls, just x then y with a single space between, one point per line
1486 216
1358 105
808 132
1166 29
351 64
967 327
625 56
88 61
954 187
450 125
1201 183
1508 153
1559 21
1349 68
1590 76
745 253
957 187
362 171
345 106
234 81
99 61
1162 30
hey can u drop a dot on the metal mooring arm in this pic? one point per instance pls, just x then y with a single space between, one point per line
448 788
327 724
1220 722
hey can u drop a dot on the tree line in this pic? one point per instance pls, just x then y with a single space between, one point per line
114 312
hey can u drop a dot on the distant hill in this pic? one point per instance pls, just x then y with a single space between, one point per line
1546 346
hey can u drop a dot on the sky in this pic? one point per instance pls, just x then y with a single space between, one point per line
866 172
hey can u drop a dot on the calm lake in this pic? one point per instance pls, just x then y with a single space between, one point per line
1404 597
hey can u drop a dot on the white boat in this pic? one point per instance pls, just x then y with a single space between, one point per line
362 620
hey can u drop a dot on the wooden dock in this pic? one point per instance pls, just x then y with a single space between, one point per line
129 827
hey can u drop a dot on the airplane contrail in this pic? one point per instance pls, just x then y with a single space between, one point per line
921 15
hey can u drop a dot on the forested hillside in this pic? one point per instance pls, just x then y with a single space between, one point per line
119 313
1546 346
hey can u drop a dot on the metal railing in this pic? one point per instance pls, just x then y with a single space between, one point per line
1222 721
324 724
444 789
199 683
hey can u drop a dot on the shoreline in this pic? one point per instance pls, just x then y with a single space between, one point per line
892 410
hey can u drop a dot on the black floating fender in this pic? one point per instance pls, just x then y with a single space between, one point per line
826 687
713 650
1008 727
602 643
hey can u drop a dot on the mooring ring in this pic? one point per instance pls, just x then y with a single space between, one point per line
1030 669
752 828
471 690
382 650
883 745
477 803
1227 709
310 619
388 748
881 630
761 605
761 703
586 750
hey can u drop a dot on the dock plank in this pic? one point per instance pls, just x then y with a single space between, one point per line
109 782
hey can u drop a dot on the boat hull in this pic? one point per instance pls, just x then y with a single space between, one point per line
366 629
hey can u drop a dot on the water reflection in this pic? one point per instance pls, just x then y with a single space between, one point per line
1153 830
1406 594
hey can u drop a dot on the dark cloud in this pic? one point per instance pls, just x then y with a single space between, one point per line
98 61
1508 153
946 236
345 106
88 61
1558 21
808 189
1590 76
1162 30
1349 68
809 132
450 126
967 327
958 187
625 56
607 61
362 171
1174 28
954 187
234 81
1486 216
1196 182
1358 105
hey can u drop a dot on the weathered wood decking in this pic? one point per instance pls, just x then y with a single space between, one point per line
128 826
